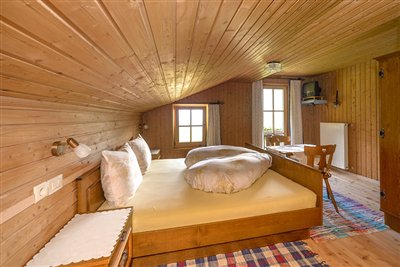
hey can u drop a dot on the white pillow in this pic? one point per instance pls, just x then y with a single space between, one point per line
201 153
120 175
228 174
142 152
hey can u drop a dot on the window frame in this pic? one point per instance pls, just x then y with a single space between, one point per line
285 89
176 108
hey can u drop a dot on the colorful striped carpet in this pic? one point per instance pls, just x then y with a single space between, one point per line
354 219
282 254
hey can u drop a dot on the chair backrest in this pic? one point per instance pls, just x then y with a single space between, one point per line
276 140
324 152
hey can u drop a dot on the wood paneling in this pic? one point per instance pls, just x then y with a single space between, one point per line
139 55
235 116
28 128
358 96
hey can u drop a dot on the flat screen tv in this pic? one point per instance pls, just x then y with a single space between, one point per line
311 89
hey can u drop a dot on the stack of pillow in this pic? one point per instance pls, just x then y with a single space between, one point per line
122 171
224 169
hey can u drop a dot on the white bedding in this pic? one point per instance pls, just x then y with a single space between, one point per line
206 152
164 199
227 174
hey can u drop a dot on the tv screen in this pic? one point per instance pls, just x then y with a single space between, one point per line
311 89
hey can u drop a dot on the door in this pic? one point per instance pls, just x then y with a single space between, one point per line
389 86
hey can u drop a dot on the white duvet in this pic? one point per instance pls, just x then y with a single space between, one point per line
202 153
227 174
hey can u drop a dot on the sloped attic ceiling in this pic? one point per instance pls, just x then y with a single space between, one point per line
137 55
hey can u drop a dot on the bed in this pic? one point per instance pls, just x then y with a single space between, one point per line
281 206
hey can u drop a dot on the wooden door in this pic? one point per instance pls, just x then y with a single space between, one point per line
389 86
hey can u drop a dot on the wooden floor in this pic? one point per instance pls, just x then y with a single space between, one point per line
377 249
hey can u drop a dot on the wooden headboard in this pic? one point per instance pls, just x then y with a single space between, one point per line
90 192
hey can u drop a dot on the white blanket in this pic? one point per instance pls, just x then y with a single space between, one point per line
227 174
202 153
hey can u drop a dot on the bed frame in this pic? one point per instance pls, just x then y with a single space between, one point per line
170 245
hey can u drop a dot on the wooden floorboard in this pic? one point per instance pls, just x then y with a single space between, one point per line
377 249
357 187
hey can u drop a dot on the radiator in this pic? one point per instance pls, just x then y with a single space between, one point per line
336 133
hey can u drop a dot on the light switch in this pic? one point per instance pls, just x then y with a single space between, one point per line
55 184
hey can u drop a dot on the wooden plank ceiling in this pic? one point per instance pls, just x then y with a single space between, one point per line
137 55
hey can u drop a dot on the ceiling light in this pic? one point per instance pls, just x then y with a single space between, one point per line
273 66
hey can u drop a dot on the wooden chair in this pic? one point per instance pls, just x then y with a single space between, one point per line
326 155
276 140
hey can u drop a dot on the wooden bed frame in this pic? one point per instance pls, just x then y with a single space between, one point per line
169 245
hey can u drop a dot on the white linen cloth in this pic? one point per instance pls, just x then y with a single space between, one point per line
84 237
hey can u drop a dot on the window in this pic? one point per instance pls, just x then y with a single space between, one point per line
275 110
189 125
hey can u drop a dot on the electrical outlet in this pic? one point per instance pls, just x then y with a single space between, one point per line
41 191
55 184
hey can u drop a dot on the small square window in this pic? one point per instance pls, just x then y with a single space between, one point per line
189 125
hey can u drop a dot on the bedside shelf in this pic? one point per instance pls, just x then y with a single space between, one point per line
314 102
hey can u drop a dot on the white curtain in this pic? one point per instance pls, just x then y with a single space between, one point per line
296 124
257 114
214 129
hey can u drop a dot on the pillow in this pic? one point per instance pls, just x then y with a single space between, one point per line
202 153
142 152
120 175
227 174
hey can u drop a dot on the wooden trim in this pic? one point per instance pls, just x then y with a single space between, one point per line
181 255
175 239
10 212
394 54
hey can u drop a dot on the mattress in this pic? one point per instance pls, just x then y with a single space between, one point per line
164 199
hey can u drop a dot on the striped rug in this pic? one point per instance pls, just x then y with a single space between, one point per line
354 219
281 254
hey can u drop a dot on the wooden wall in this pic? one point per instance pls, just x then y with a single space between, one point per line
358 96
28 128
235 118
